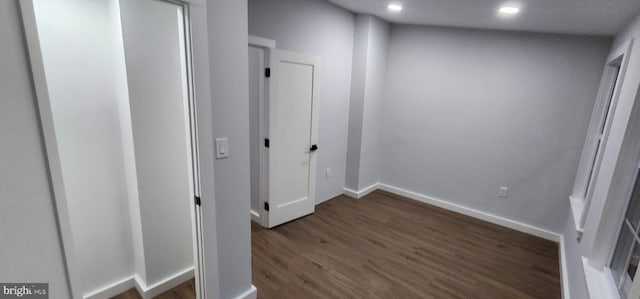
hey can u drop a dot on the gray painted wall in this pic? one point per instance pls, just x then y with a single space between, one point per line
374 96
371 43
632 30
576 249
227 28
31 248
356 101
322 29
468 111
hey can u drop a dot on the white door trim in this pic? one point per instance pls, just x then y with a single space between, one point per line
260 216
261 42
194 157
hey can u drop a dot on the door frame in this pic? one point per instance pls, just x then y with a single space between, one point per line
266 45
195 28
261 216
191 105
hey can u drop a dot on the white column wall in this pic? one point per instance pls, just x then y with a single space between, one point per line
80 51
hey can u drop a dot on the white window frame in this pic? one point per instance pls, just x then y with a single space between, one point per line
635 285
601 281
601 218
600 125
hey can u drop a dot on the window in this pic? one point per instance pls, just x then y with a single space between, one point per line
601 131
626 257
596 141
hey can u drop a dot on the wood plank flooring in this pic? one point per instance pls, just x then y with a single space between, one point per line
385 246
186 290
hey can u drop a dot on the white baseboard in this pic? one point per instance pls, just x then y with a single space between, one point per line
519 226
148 292
255 217
112 289
145 291
564 274
251 293
140 285
351 193
361 193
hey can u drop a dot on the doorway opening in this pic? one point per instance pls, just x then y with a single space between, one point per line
283 104
119 92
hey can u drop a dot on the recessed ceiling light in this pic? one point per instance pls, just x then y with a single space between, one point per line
509 10
394 6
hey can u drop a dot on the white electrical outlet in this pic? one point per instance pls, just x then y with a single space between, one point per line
327 173
503 192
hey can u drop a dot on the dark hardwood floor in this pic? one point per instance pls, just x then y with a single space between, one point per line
384 246
186 290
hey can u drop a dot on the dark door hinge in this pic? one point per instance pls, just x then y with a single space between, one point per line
266 206
198 201
267 72
266 142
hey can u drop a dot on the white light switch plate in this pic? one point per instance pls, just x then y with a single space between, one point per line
222 148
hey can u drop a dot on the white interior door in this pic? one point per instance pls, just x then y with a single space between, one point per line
292 134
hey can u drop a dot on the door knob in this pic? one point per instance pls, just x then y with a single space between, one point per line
313 148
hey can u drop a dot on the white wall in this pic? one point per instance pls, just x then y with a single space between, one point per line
322 29
25 175
31 248
228 61
157 97
129 156
81 66
467 111
85 69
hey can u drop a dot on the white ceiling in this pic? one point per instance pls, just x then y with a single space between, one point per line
593 17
